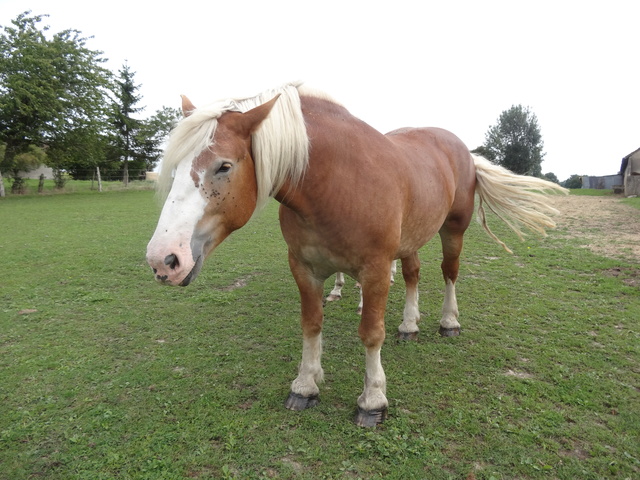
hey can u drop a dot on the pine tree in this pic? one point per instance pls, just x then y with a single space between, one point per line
127 128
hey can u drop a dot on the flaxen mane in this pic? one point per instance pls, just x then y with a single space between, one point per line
280 146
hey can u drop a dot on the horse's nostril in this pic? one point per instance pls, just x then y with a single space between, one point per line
171 261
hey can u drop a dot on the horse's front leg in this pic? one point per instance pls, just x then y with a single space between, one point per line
304 389
392 281
373 404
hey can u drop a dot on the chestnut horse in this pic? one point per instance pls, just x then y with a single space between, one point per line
352 200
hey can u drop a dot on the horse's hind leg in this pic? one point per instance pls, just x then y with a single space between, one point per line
408 329
304 389
336 293
452 239
394 269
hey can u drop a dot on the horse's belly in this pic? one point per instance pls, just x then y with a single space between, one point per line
417 232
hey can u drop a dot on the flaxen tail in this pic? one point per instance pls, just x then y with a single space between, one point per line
520 201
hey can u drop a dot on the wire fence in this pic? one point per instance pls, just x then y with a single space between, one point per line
31 186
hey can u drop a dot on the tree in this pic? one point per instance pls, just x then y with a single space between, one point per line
53 91
153 133
56 96
137 144
574 181
551 177
85 150
515 142
3 148
25 161
126 146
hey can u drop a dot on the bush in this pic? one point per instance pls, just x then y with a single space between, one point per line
574 181
60 178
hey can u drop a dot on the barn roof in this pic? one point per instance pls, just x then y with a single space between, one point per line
625 161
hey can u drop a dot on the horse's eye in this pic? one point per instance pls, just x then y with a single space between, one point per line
224 168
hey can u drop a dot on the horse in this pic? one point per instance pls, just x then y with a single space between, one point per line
336 292
351 200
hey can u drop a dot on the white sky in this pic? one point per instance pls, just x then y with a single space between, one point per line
451 64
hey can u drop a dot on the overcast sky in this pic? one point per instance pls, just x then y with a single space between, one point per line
451 64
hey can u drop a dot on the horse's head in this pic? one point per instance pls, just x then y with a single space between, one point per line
213 193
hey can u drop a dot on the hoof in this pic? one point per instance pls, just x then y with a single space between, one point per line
359 311
449 332
297 402
408 336
332 298
369 419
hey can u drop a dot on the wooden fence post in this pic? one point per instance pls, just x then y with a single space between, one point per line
99 179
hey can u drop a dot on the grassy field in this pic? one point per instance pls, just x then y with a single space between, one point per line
106 375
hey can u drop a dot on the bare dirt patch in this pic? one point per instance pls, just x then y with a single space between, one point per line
629 277
522 375
604 224
238 283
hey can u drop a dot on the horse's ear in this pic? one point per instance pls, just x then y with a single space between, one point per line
187 106
252 119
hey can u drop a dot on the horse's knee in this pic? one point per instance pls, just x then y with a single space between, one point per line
372 336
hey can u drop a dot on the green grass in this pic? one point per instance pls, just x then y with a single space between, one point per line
634 202
104 374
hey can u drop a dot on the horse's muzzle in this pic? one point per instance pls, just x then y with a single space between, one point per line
193 273
170 271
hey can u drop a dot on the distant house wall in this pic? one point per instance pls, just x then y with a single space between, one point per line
47 171
606 182
632 174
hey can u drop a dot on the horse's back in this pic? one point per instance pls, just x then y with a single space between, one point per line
432 145
445 166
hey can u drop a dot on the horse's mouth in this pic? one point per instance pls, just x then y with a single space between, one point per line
191 276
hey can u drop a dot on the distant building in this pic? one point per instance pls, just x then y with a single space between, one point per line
630 171
42 169
606 182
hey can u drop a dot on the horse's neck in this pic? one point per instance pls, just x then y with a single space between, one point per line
290 195
330 127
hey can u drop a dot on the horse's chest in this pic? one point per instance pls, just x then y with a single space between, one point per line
320 246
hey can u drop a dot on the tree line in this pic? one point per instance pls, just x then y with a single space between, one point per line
61 107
